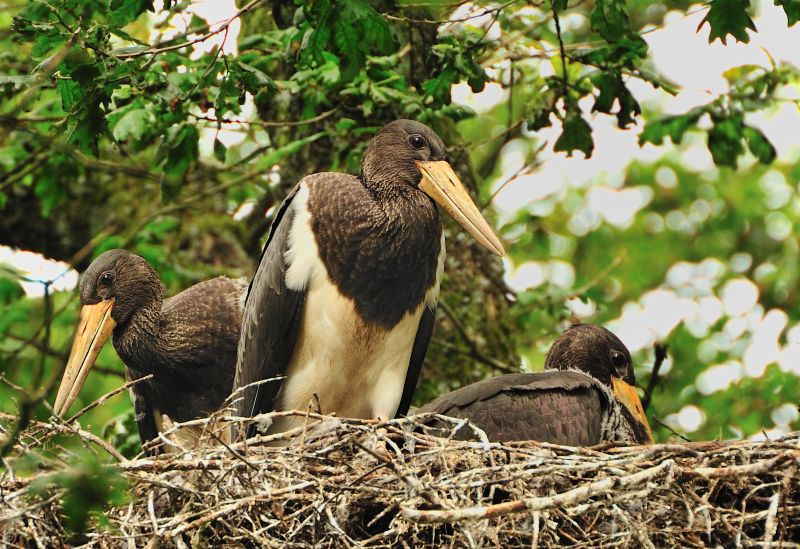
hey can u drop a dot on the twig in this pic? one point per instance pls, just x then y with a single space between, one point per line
670 429
482 13
661 355
337 490
269 124
523 170
563 55
473 347
222 28
127 385
565 499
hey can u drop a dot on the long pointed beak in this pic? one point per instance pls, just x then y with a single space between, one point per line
441 183
628 396
94 330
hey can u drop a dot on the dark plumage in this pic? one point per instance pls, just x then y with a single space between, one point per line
349 281
590 400
188 342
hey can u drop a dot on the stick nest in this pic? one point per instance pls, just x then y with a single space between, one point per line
352 483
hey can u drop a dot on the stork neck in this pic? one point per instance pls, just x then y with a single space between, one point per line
138 340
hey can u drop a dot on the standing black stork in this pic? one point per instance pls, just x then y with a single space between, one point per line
188 342
586 395
343 301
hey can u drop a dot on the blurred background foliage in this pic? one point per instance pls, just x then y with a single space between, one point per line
128 124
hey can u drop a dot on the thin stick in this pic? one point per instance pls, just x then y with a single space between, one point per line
565 499
127 385
661 355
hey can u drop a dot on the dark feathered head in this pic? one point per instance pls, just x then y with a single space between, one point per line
126 278
113 288
594 350
406 157
599 353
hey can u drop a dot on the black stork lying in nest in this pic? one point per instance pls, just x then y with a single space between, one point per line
187 342
343 301
586 395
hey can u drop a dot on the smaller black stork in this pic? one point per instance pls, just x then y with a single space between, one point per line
188 342
586 395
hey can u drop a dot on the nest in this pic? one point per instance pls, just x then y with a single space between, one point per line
356 483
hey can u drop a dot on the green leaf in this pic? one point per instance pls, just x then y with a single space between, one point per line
672 126
249 77
10 288
344 124
375 30
728 17
85 127
742 73
438 89
539 119
577 135
49 191
180 149
45 43
70 93
122 12
317 11
725 140
610 19
133 125
792 9
613 89
759 145
294 147
346 38
314 44
85 73
219 150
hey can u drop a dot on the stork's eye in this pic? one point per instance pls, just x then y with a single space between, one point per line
620 362
417 141
106 279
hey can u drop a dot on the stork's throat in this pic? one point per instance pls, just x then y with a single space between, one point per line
138 339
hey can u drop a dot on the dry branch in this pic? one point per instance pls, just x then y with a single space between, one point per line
347 482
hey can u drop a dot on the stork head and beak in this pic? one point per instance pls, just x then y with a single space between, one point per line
598 352
114 286
419 160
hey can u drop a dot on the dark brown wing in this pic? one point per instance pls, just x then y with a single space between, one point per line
421 341
559 407
201 328
271 322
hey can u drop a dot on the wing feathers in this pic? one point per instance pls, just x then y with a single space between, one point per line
271 320
553 406
421 341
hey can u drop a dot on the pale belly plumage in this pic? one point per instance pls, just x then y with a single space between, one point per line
342 365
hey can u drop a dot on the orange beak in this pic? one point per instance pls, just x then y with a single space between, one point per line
93 331
628 396
441 183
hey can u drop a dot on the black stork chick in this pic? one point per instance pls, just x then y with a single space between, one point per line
188 342
586 395
343 301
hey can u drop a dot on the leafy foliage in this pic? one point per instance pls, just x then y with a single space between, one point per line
88 488
792 9
729 17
